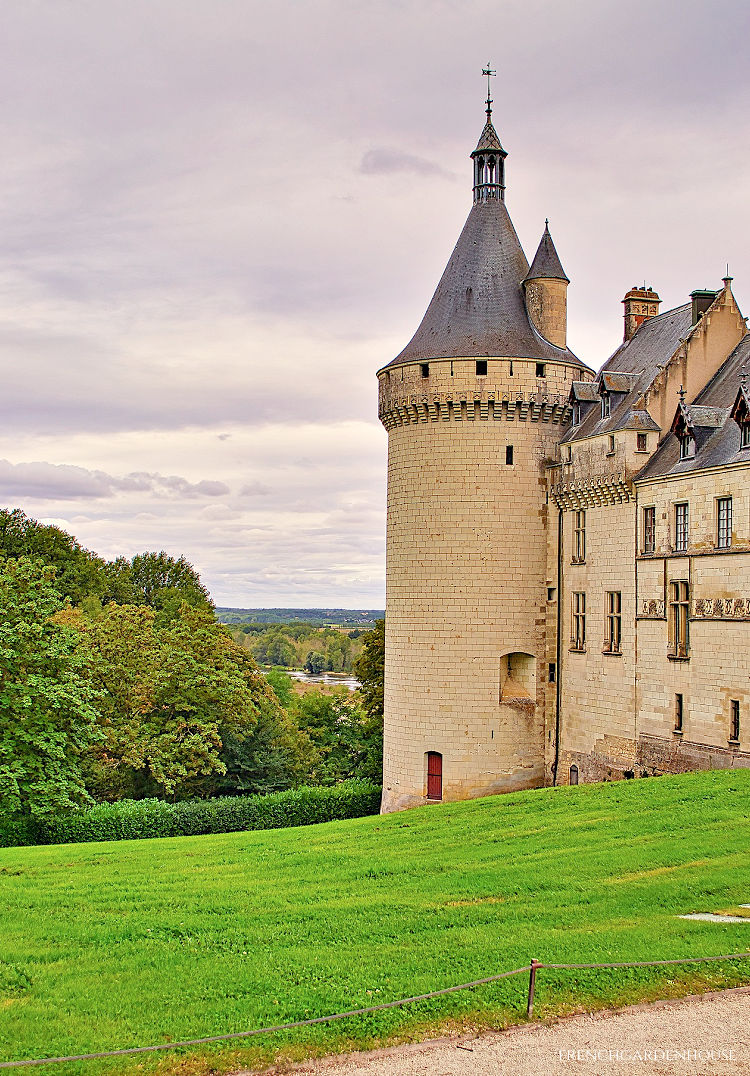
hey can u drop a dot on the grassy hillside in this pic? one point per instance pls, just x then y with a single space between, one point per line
113 945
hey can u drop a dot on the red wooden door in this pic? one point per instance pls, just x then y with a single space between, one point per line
434 776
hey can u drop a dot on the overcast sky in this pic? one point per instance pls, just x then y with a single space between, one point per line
218 218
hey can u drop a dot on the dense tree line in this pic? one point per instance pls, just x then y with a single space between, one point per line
301 646
116 681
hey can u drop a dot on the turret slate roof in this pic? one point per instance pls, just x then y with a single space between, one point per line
488 140
546 263
478 308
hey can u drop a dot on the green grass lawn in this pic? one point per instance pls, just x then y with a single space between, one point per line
137 942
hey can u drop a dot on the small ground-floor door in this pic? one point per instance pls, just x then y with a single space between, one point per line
434 775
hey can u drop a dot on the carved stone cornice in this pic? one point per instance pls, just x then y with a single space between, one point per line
414 408
593 491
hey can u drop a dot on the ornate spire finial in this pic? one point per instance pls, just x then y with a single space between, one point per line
489 73
546 222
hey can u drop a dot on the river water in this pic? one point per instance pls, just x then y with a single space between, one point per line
332 679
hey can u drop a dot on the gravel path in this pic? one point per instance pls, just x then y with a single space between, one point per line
708 1033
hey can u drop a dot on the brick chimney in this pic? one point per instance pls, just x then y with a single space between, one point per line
640 305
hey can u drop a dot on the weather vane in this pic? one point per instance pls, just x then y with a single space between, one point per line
489 73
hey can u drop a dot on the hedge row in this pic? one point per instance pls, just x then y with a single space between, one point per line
137 819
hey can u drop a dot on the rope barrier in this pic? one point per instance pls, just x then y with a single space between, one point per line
532 968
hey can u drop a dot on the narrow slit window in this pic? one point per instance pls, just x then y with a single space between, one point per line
509 454
552 672
611 448
573 779
510 369
679 712
734 723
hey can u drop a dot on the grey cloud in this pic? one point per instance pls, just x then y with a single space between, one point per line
51 481
384 162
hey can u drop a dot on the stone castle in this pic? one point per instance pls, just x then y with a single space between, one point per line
568 554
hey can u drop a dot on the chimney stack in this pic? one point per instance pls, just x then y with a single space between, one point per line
640 305
701 300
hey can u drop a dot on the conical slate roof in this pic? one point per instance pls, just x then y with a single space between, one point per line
488 140
478 308
546 263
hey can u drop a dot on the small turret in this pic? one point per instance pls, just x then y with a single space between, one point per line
546 291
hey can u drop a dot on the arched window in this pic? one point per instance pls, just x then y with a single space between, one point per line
434 775
573 774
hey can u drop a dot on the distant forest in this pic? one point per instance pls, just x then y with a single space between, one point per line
317 618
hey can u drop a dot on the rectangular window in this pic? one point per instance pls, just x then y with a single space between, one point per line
642 444
611 446
687 447
613 626
576 414
579 537
552 672
724 522
679 712
745 435
568 453
734 723
550 594
679 623
578 639
606 405
509 454
680 527
541 369
481 367
425 368
649 530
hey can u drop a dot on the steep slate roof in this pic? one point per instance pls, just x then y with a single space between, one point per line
488 140
650 346
478 308
546 263
722 445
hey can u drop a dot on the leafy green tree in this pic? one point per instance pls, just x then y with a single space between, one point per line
369 668
164 583
47 712
78 572
170 694
346 742
315 663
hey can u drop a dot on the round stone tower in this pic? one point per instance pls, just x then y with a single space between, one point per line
473 407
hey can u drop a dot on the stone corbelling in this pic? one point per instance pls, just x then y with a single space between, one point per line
472 407
593 491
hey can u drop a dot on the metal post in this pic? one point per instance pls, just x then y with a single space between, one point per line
532 983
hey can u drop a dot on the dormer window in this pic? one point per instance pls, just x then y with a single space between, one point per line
687 447
745 435
606 405
577 414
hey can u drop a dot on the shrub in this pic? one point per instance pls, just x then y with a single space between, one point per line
138 819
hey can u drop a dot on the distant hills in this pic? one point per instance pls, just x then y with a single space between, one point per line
319 618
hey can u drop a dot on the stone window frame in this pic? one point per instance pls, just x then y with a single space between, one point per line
681 526
641 442
579 536
724 522
679 620
734 720
613 622
648 537
679 713
578 621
